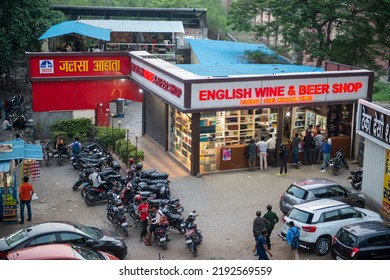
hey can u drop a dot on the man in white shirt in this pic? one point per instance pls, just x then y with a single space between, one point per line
95 178
7 125
262 146
271 146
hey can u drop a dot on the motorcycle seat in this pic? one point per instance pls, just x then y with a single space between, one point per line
172 216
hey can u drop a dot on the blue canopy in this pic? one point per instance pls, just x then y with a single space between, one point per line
18 150
69 27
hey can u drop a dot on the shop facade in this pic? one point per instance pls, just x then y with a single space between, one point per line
373 123
206 122
74 85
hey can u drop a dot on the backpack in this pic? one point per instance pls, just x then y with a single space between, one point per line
295 241
76 147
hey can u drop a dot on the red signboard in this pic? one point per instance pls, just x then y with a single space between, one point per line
54 66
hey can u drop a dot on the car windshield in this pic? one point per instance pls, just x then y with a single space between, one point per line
16 238
346 238
297 192
86 253
93 232
300 216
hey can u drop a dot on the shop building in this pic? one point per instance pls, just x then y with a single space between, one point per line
373 123
205 121
75 85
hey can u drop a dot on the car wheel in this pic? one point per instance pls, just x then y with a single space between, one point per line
322 246
358 204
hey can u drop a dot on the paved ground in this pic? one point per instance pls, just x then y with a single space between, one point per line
226 204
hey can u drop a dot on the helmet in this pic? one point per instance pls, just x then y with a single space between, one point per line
191 217
131 161
139 166
116 166
138 198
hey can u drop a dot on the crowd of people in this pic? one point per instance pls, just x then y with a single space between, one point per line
262 230
313 144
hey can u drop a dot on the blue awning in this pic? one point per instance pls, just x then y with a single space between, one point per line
69 27
20 150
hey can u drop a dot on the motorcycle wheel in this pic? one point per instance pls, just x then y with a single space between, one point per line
335 170
83 193
125 231
77 185
357 186
346 165
164 245
109 217
47 159
90 200
194 250
59 160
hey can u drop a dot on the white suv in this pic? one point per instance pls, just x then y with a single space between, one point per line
320 220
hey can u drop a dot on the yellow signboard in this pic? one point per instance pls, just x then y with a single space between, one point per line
386 187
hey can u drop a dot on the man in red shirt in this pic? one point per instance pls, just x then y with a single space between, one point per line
25 193
143 211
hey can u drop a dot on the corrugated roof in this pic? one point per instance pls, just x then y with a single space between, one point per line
69 27
138 25
245 69
223 58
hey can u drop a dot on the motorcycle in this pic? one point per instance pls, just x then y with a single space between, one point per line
175 220
116 214
92 194
356 179
192 235
339 162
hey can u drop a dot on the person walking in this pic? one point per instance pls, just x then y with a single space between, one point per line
26 192
271 149
259 223
283 155
326 149
295 149
292 238
262 145
252 154
143 211
307 149
272 219
318 140
261 246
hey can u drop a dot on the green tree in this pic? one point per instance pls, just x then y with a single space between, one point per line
22 22
347 31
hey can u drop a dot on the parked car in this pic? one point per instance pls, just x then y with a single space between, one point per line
318 188
64 232
362 241
59 252
319 221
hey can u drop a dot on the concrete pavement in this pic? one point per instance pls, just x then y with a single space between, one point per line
225 202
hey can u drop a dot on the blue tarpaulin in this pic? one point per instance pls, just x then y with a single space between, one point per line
19 150
69 27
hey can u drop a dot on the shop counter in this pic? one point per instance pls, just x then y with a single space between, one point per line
232 157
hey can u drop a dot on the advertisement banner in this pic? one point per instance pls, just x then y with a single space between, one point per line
47 66
386 187
277 91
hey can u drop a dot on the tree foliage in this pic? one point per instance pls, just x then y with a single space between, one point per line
354 32
22 22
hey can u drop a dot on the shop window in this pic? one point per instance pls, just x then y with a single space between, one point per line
180 136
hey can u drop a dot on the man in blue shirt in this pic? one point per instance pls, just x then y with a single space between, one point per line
261 246
293 243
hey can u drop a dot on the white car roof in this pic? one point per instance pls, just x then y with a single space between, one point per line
319 204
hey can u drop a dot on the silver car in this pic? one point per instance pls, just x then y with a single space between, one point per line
318 188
